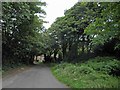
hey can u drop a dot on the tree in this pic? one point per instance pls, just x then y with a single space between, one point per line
105 29
21 27
69 29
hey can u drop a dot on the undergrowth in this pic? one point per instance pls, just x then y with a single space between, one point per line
100 72
6 68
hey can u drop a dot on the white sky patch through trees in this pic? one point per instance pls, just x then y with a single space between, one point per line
56 8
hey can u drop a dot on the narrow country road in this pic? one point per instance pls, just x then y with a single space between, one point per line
38 76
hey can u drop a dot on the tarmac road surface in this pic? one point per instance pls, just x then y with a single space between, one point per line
38 76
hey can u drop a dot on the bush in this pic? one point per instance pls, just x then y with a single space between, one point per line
94 73
105 65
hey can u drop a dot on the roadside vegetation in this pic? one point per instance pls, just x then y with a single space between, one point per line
88 38
5 69
21 33
100 72
73 42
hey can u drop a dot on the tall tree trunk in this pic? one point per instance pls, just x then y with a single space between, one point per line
83 43
64 47
88 42
73 49
31 59
55 54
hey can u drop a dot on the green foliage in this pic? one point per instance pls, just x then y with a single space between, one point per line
106 27
10 66
84 27
106 65
67 32
94 73
21 31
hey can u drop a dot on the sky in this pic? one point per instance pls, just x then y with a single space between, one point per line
56 8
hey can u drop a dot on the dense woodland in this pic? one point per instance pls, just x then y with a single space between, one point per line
21 31
83 45
86 30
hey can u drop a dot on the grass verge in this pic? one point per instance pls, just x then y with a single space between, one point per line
100 72
6 70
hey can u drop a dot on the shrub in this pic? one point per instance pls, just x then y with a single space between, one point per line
94 73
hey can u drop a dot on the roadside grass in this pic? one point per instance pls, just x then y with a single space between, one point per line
100 72
6 69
